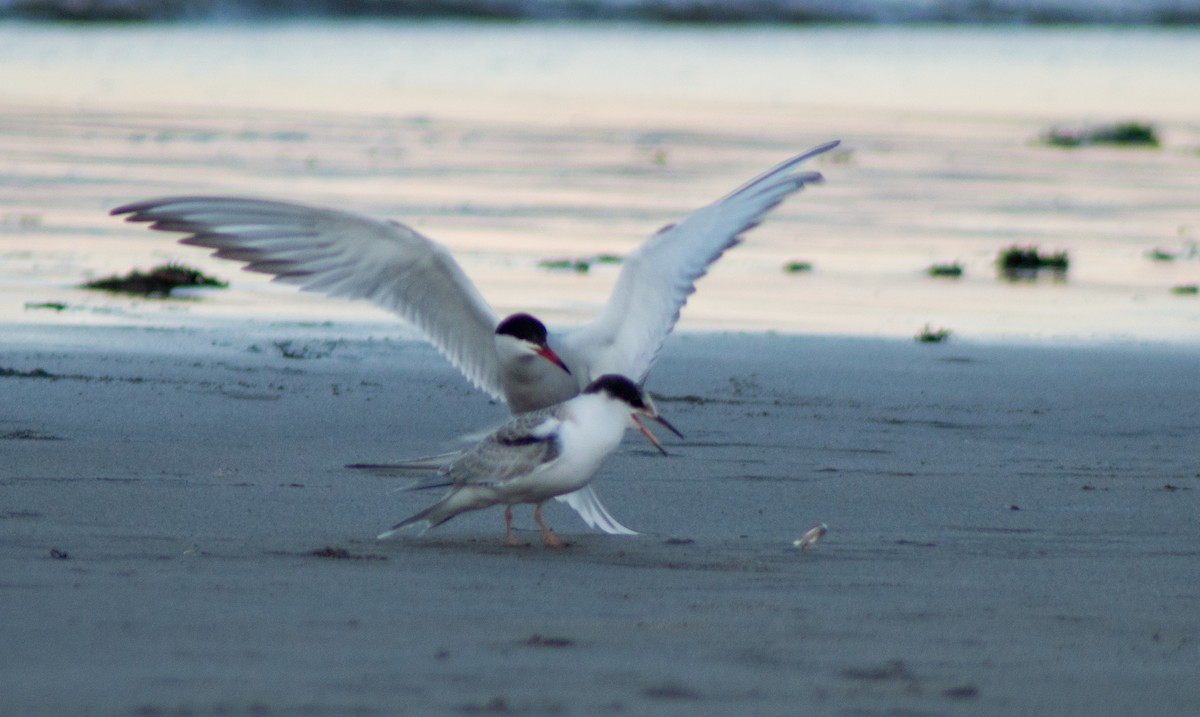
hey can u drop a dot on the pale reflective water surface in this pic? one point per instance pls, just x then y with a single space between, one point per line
518 143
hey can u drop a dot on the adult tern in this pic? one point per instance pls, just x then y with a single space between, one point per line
539 455
516 359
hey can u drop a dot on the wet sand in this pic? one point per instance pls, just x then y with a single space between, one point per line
1011 531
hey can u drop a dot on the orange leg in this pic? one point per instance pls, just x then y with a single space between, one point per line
549 538
509 539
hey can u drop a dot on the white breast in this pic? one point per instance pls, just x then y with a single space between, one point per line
591 429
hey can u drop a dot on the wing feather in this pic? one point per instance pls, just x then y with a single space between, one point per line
517 448
587 504
345 255
657 279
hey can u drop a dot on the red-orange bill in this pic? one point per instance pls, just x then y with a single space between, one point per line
646 431
548 354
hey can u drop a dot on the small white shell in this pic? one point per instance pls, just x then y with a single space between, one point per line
811 536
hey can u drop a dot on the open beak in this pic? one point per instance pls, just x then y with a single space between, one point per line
547 353
651 413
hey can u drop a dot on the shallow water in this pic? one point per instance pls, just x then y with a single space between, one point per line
374 66
517 143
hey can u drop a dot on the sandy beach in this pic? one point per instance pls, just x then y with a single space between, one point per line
1011 531
1012 514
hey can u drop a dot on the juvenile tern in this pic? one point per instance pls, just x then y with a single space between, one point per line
539 455
515 359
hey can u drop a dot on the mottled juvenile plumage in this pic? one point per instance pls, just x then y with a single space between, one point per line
538 455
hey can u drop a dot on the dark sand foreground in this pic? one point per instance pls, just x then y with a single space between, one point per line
1012 530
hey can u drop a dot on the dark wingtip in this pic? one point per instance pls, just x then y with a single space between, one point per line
135 209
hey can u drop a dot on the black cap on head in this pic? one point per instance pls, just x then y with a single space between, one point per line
524 327
619 388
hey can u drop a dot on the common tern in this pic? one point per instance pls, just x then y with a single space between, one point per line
539 455
516 359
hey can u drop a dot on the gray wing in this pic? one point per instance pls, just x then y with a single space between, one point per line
345 255
584 501
657 279
517 448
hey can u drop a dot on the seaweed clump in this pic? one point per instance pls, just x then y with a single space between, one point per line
950 271
159 281
580 265
1191 250
1122 134
1018 262
930 335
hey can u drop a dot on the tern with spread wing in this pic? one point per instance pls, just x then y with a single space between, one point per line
515 359
539 455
